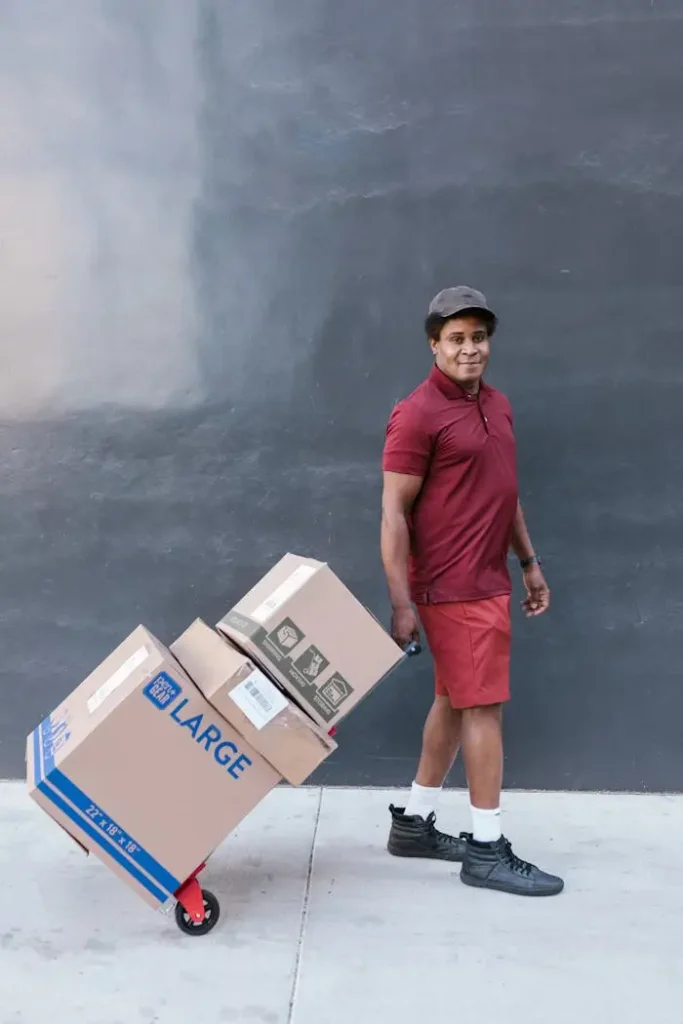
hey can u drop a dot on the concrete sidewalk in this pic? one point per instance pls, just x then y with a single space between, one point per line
320 926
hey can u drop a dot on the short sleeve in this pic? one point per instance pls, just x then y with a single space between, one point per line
408 442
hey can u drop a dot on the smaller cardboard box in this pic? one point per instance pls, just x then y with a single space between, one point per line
142 771
308 631
249 700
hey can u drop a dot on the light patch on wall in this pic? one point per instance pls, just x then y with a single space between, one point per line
98 177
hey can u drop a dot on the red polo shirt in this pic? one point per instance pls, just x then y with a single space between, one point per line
461 524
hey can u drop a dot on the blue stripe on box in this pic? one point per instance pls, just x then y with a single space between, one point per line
111 830
94 821
37 768
98 837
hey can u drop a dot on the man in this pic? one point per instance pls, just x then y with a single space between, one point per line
450 514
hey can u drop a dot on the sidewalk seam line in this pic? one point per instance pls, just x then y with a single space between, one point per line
304 912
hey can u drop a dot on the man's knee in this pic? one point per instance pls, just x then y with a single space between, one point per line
483 713
443 709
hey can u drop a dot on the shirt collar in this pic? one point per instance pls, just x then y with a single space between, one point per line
448 387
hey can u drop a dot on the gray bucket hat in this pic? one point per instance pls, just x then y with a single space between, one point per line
452 301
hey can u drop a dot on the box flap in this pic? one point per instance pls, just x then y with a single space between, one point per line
208 660
307 630
256 706
138 657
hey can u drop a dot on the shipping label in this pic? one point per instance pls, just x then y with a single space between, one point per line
258 699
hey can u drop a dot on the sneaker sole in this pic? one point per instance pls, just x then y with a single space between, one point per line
425 856
478 883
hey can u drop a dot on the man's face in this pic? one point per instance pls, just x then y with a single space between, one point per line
462 351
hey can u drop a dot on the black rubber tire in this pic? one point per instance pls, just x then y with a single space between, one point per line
212 911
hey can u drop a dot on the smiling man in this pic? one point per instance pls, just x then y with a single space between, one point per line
450 515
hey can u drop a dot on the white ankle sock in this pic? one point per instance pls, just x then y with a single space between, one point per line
485 825
422 800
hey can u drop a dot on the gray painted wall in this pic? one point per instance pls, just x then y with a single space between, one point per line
221 225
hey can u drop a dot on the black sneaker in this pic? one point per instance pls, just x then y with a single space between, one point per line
495 866
418 837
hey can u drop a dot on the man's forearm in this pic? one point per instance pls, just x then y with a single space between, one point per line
395 543
521 541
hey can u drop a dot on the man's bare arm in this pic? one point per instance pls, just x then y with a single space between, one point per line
521 541
398 498
537 598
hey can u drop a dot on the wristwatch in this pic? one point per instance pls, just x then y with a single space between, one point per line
532 560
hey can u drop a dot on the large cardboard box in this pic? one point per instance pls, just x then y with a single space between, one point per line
246 697
142 771
313 636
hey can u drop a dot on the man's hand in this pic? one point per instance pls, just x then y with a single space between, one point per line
537 598
404 626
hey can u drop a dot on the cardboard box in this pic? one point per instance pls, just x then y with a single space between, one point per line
142 771
249 700
311 634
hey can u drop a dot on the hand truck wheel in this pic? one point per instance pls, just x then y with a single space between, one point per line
212 912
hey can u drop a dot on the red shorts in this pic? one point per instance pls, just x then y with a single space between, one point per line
470 644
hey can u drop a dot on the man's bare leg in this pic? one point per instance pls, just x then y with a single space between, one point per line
440 743
482 748
412 832
489 862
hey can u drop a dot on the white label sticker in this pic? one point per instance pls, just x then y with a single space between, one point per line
259 699
106 689
283 593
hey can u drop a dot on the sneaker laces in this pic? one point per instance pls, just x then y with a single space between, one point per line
443 837
515 863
